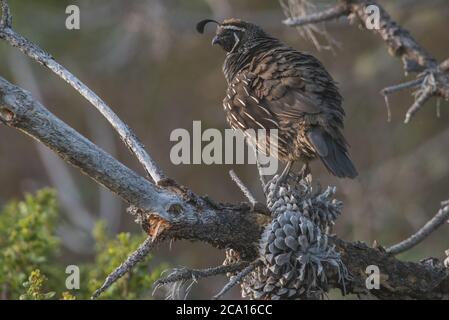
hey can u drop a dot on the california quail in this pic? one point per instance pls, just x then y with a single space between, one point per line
273 86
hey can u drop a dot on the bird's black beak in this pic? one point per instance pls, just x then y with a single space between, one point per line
215 40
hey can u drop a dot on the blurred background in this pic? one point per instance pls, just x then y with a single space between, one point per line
145 59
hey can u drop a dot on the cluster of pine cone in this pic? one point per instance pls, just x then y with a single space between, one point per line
294 247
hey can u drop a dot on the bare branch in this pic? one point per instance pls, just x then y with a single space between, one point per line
403 279
193 217
137 256
19 110
58 172
256 205
300 11
326 15
439 219
235 280
399 42
419 103
242 187
185 274
402 86
262 179
127 136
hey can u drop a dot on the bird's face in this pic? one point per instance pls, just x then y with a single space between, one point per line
229 37
232 35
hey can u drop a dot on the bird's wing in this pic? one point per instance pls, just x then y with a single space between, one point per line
293 84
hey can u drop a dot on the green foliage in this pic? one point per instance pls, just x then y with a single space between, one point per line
35 286
67 296
27 239
30 254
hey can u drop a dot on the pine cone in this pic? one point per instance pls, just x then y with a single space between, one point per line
293 253
299 195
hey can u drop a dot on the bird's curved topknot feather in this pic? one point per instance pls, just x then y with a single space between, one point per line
202 24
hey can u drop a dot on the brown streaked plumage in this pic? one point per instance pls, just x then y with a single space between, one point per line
273 86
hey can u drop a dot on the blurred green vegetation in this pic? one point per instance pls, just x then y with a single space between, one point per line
29 250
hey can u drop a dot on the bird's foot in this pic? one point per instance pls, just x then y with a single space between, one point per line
305 172
278 180
266 188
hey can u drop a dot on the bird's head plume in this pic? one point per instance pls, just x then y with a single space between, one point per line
233 34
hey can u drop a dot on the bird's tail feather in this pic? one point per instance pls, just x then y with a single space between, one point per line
337 160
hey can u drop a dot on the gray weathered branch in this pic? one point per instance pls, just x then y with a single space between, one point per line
398 279
193 217
184 215
400 43
326 15
37 54
137 256
438 220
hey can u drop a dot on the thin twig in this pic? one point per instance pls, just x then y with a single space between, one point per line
137 256
195 274
401 86
329 14
127 136
398 87
263 181
235 280
256 205
439 219
243 188
419 103
387 105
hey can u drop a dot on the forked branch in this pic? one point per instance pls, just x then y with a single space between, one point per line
432 79
37 54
